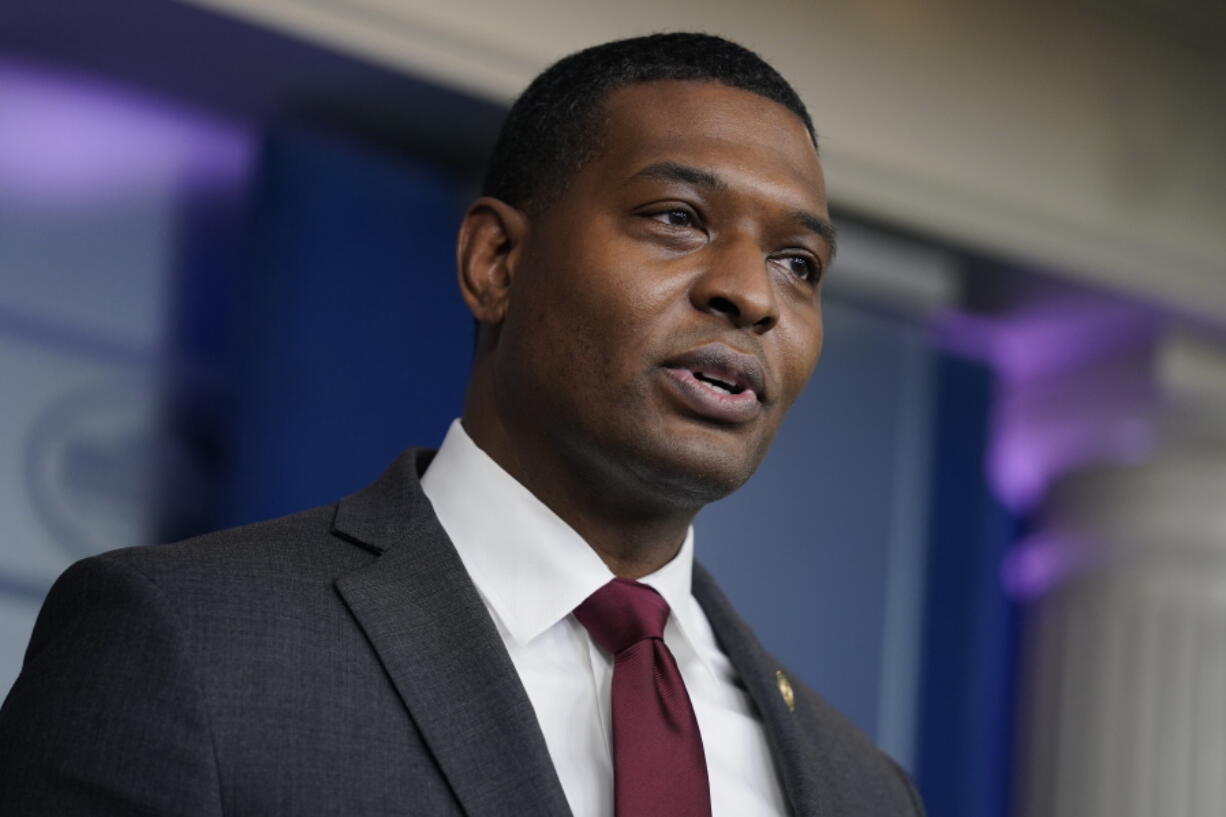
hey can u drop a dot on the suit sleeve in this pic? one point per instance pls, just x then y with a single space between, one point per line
107 716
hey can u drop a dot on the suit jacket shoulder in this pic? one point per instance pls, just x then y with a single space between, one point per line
336 661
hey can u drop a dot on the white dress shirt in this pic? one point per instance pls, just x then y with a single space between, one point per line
531 570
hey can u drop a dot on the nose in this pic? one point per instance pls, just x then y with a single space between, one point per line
737 286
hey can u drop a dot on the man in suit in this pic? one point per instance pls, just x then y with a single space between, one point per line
513 625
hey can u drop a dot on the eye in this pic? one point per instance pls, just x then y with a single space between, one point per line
675 217
803 267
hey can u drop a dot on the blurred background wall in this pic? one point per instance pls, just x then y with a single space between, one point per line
993 530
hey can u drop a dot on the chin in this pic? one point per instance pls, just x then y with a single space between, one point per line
694 470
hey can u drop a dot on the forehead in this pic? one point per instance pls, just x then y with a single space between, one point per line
744 137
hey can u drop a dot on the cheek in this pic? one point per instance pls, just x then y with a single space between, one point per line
618 307
799 350
578 328
817 341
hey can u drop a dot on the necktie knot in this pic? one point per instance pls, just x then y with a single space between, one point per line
623 613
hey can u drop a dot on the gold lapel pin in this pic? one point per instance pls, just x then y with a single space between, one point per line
785 689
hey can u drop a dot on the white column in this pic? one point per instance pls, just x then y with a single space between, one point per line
1124 692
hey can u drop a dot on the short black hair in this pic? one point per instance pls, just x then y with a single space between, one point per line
554 125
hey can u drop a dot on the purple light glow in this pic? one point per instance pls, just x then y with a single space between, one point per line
70 140
1074 387
1042 562
1046 338
1023 461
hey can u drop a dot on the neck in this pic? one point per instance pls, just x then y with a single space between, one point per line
632 531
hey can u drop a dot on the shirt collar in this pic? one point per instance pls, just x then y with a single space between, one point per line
532 568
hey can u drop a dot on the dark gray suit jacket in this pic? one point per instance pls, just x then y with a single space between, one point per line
334 662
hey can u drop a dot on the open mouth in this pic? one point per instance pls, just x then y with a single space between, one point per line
713 397
716 383
723 370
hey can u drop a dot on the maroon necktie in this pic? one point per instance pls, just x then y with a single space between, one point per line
659 769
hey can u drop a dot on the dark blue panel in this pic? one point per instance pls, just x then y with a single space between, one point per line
353 342
969 644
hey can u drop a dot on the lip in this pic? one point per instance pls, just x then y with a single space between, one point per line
715 361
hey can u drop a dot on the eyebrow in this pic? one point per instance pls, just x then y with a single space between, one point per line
821 226
676 172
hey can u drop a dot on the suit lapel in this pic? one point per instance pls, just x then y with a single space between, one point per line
424 618
805 774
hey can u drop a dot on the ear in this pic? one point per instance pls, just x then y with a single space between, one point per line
487 251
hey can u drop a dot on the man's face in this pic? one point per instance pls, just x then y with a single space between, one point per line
664 313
